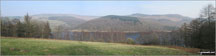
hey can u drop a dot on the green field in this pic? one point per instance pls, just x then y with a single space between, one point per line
31 46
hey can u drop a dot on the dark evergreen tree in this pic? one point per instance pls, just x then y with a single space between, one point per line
47 30
28 28
200 33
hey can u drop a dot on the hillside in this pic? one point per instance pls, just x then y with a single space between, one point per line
111 23
134 22
56 20
83 17
64 20
166 19
31 46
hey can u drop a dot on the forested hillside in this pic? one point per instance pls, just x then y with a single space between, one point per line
135 22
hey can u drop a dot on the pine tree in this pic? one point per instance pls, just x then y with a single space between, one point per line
15 27
47 30
20 29
200 33
28 26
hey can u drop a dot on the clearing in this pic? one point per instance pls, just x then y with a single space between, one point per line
32 46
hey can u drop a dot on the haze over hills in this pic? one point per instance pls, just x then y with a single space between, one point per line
62 20
172 17
68 21
133 22
167 19
83 17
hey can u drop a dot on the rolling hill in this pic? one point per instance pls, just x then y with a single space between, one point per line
63 20
83 17
134 22
32 46
111 23
68 21
166 19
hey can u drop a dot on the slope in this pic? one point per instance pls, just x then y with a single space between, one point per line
135 22
31 46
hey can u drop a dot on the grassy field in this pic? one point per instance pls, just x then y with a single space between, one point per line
31 46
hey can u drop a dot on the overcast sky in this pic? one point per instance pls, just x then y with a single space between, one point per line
101 8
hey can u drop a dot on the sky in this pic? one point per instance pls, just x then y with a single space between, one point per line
102 8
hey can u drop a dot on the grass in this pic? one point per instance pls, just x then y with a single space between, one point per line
31 46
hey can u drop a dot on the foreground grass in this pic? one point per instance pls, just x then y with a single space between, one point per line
29 46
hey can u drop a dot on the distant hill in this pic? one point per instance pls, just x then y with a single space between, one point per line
134 22
67 20
111 23
167 19
83 17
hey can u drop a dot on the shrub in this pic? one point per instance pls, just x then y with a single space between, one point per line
130 41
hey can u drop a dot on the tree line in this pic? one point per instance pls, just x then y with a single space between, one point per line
26 28
200 32
119 37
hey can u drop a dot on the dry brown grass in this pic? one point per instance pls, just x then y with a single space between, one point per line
191 50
